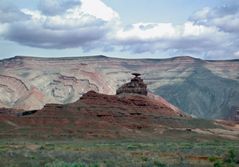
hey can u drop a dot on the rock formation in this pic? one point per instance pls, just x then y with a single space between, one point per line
205 89
109 116
135 86
96 115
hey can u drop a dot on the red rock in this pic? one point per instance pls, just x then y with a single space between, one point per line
98 115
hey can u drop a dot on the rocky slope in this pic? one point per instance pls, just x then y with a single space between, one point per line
207 89
109 116
94 115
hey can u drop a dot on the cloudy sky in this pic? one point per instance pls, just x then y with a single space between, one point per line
207 29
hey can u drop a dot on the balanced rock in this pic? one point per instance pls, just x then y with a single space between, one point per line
135 86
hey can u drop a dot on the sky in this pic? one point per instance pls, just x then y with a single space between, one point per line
206 29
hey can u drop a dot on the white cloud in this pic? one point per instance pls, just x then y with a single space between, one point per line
73 19
98 9
156 31
147 31
191 29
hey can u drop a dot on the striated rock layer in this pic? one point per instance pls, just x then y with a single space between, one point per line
95 115
207 89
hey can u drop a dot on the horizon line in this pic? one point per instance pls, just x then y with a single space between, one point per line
104 56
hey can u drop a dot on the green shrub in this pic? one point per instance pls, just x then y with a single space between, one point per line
159 164
151 163
218 163
212 159
144 158
230 157
228 161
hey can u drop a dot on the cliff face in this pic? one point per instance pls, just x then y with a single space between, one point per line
207 89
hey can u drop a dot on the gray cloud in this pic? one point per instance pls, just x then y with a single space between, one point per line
226 18
10 13
69 30
33 35
185 45
55 7
146 27
208 48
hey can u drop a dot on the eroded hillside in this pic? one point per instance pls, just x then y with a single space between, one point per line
207 89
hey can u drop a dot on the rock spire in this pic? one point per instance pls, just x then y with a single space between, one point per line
135 86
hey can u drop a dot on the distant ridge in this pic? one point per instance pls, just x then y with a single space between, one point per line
105 57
